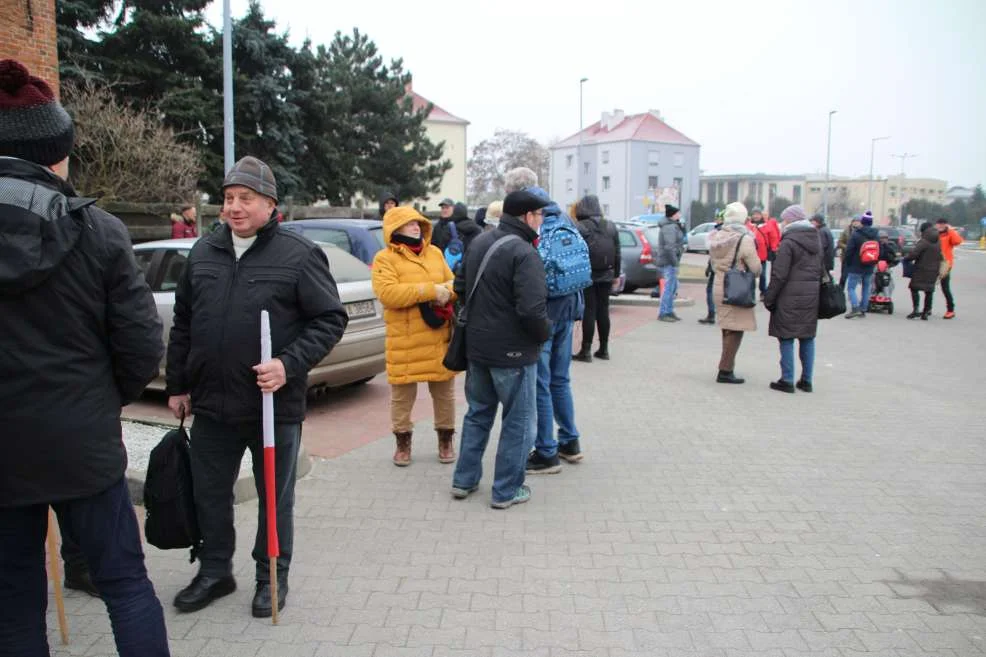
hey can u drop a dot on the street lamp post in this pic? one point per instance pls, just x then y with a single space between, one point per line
228 151
869 196
900 187
828 166
578 172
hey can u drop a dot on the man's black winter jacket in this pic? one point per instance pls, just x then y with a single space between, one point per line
79 337
215 339
508 319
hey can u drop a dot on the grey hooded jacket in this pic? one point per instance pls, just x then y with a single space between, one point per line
670 243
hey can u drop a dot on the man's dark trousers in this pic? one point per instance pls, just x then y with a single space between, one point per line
104 527
217 449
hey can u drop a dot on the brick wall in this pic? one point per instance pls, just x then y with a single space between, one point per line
28 34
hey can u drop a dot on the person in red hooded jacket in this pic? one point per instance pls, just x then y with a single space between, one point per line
768 237
184 225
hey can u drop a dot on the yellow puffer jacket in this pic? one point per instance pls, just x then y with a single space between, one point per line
402 279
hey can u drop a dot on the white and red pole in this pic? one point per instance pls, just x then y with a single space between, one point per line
270 489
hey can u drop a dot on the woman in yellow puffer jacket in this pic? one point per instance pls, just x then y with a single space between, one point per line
414 284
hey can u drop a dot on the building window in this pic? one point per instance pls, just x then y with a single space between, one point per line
653 158
679 159
815 189
605 157
606 209
652 182
678 182
568 185
605 182
797 194
772 191
585 167
568 162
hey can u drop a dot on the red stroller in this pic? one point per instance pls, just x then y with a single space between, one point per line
881 299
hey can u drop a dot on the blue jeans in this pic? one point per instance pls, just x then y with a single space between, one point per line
670 277
852 280
554 392
217 450
105 529
806 350
486 389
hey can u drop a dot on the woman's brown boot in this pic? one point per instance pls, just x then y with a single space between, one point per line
402 457
446 445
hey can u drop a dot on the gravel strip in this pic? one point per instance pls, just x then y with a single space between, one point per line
141 438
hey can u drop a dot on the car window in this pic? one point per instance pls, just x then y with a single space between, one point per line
378 235
143 259
334 236
344 267
172 266
627 238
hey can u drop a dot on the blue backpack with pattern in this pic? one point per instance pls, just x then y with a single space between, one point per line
454 249
565 255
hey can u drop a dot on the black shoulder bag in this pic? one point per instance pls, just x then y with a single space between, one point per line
455 358
739 285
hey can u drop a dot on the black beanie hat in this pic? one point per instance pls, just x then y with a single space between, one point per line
33 125
670 211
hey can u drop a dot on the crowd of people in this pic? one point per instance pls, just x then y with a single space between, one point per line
67 262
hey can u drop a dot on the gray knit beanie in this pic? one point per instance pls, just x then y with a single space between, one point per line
254 174
33 125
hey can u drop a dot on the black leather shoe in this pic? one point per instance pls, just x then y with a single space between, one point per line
803 386
202 591
261 599
711 319
584 356
782 386
602 353
80 581
728 377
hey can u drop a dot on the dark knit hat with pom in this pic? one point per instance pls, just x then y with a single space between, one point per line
33 125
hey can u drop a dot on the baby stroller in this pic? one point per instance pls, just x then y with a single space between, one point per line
881 299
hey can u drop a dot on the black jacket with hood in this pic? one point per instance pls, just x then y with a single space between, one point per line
80 337
215 339
795 278
926 256
467 228
591 222
387 196
508 319
850 258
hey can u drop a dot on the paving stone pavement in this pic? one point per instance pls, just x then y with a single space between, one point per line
706 520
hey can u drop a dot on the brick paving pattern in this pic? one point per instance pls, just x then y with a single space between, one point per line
706 520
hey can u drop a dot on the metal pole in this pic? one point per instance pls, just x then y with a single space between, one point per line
228 136
900 187
828 165
578 173
869 198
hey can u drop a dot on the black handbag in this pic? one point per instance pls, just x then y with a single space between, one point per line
831 299
739 285
455 357
169 502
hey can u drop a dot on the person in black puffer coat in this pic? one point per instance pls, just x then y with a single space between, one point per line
604 253
792 297
466 227
927 257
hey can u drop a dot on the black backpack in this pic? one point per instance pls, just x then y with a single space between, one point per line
170 522
602 250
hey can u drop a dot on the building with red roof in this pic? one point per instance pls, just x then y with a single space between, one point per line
635 165
443 126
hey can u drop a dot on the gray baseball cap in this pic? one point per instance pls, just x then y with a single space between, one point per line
253 174
447 201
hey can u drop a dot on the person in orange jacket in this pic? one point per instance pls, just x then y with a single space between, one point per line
768 238
948 238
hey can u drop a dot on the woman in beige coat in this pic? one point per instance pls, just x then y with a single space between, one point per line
733 320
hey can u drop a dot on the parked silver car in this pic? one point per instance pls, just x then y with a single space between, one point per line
357 358
698 238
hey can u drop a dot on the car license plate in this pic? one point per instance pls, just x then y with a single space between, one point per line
361 309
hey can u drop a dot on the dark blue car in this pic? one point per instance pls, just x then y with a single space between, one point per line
360 237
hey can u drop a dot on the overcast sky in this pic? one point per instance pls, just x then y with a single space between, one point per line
751 81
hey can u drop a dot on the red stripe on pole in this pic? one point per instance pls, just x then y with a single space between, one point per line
270 497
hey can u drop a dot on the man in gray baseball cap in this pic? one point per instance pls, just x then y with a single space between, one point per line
248 265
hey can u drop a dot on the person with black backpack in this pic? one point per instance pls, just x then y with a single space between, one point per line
604 257
81 337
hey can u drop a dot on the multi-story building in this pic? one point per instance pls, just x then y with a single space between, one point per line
634 164
443 126
758 188
846 196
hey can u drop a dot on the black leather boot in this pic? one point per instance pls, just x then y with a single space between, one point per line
261 606
584 355
728 377
202 591
603 353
